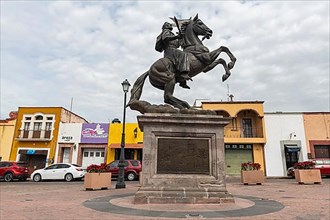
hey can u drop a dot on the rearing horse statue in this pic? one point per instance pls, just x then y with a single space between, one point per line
200 60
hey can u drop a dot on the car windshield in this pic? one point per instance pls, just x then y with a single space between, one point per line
114 163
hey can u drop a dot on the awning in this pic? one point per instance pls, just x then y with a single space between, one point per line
293 148
128 146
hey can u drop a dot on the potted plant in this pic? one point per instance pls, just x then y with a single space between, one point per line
251 173
97 177
305 172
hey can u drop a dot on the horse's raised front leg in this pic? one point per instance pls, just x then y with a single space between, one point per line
232 62
217 62
170 99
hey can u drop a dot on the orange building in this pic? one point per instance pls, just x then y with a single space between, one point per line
317 133
36 134
245 136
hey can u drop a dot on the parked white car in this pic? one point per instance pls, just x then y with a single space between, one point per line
60 171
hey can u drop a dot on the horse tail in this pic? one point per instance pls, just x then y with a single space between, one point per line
137 88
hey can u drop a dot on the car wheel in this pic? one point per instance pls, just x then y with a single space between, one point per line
8 177
131 176
37 178
68 177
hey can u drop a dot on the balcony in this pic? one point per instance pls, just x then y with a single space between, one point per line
246 132
34 135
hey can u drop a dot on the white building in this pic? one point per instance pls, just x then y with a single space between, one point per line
286 143
69 136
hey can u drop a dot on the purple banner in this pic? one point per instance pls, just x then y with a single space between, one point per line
95 133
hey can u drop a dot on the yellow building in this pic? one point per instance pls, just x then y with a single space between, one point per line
36 134
133 141
317 133
7 128
245 136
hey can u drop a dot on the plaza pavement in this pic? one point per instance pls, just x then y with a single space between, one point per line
68 200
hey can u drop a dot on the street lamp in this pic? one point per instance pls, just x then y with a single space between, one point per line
120 181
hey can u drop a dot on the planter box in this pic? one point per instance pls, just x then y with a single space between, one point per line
308 176
97 181
252 176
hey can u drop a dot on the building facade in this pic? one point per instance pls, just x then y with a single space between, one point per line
245 136
7 129
36 134
93 144
68 143
317 133
133 141
286 143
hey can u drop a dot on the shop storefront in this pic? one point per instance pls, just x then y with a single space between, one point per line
235 155
93 144
36 158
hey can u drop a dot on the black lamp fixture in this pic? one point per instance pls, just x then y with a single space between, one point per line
135 132
120 181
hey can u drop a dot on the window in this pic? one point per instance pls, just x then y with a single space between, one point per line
3 164
247 127
114 164
39 117
51 167
234 124
97 154
26 130
102 154
134 163
63 166
86 154
322 151
48 126
27 126
37 126
91 154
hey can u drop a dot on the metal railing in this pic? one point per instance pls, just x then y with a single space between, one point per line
34 135
239 132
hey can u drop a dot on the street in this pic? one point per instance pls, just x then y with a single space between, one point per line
64 200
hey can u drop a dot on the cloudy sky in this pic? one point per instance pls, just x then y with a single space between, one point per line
53 51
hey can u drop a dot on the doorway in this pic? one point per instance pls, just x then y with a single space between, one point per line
291 155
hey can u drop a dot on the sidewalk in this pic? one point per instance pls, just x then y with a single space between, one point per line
62 200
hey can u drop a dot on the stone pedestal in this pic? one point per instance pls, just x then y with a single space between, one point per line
183 159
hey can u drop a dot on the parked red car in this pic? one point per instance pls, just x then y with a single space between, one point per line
132 169
14 170
323 164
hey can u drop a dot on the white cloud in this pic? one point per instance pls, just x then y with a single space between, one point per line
52 51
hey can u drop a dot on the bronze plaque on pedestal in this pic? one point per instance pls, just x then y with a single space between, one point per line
183 156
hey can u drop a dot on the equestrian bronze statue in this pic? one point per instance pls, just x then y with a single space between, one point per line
178 66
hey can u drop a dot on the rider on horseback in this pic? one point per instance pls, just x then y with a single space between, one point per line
168 42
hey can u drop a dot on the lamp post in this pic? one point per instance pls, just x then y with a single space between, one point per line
120 181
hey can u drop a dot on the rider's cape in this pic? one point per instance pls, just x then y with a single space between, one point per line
159 44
